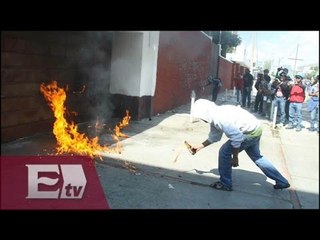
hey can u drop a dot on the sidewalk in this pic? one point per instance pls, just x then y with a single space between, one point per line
160 182
155 170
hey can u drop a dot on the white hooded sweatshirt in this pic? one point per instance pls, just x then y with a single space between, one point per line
231 120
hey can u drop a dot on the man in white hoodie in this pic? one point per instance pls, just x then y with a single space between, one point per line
244 132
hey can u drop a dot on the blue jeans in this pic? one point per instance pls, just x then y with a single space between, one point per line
239 94
314 114
295 108
252 148
246 97
281 103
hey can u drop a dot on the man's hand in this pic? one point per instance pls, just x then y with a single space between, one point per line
194 149
235 161
191 149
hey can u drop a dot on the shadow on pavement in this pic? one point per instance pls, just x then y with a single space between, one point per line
151 187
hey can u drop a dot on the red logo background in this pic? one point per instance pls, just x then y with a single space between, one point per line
14 184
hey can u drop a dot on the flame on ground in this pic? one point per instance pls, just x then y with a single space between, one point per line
69 140
122 124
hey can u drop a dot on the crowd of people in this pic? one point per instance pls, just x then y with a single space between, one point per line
282 91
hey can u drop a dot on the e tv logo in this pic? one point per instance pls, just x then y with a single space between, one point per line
72 176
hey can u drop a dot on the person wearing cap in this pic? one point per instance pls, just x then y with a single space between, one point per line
313 105
244 131
297 96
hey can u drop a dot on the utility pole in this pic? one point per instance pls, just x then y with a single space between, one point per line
295 60
219 54
253 51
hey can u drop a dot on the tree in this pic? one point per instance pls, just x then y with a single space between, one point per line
227 39
314 71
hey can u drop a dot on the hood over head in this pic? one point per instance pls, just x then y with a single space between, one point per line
204 109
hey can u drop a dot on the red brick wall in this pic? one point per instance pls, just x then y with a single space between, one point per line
225 73
235 73
184 63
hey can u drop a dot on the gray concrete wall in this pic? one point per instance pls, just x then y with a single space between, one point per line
149 63
126 63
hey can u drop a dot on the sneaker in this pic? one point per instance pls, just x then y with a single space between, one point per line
220 186
311 129
289 127
277 186
298 129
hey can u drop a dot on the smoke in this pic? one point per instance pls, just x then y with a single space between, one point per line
93 63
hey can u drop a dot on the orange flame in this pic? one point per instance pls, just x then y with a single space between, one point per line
69 140
122 124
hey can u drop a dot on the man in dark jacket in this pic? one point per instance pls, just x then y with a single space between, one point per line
247 88
216 82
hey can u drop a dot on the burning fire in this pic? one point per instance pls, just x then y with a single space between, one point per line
122 124
69 140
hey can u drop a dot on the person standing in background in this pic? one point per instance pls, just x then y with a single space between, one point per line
247 88
217 84
266 90
297 96
258 103
313 105
280 93
283 75
239 87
